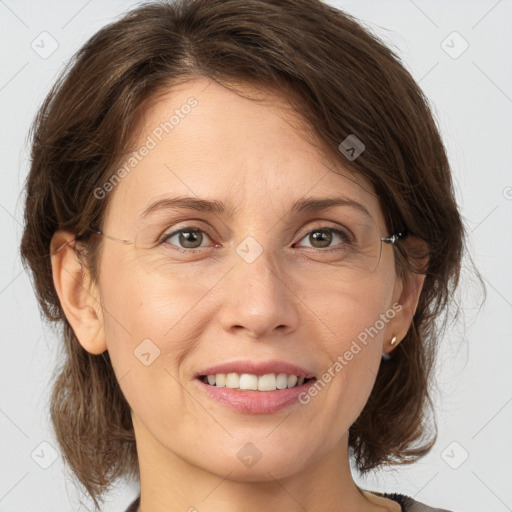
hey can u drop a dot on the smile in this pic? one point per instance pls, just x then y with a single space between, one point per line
248 381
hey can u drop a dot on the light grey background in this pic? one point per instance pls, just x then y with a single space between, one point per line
472 99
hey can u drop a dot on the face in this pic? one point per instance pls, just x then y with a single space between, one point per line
253 284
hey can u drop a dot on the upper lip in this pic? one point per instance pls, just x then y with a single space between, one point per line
257 368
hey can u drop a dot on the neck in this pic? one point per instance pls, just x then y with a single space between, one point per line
169 483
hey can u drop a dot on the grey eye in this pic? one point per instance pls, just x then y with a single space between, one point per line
322 237
188 238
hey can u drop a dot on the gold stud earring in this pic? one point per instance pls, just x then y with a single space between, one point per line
393 340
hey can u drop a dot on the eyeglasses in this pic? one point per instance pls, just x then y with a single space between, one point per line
349 251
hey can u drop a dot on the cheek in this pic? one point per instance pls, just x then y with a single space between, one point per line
150 326
142 303
358 321
359 313
153 324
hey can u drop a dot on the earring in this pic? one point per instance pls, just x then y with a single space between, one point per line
386 356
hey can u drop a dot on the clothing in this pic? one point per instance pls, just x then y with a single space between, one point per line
408 504
134 506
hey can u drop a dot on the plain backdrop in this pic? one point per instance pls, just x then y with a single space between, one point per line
459 52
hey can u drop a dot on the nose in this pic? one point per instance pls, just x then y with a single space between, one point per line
259 299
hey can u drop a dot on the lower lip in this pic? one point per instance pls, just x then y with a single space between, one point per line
255 402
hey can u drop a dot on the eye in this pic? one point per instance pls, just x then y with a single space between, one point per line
324 236
188 237
191 237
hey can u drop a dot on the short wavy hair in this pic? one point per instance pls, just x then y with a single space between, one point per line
341 79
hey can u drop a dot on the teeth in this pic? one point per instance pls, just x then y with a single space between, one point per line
232 380
247 381
267 382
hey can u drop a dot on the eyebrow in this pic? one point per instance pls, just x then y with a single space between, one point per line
303 205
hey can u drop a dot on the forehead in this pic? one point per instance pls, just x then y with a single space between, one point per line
200 139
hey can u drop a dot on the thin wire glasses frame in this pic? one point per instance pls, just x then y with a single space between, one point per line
357 269
390 239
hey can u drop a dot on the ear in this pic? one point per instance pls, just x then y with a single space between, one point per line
407 291
77 293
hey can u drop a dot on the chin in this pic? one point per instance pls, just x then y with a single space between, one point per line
251 462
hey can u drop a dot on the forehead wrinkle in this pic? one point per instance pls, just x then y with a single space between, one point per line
302 205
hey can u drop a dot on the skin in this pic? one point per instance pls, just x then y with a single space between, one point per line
202 310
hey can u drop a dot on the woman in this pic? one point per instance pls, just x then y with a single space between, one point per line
237 212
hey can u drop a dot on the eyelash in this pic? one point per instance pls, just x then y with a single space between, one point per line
167 236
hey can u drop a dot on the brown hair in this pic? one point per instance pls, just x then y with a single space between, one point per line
342 80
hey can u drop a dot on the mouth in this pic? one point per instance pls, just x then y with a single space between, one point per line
252 382
248 393
251 386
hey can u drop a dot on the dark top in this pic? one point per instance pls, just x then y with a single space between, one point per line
407 503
